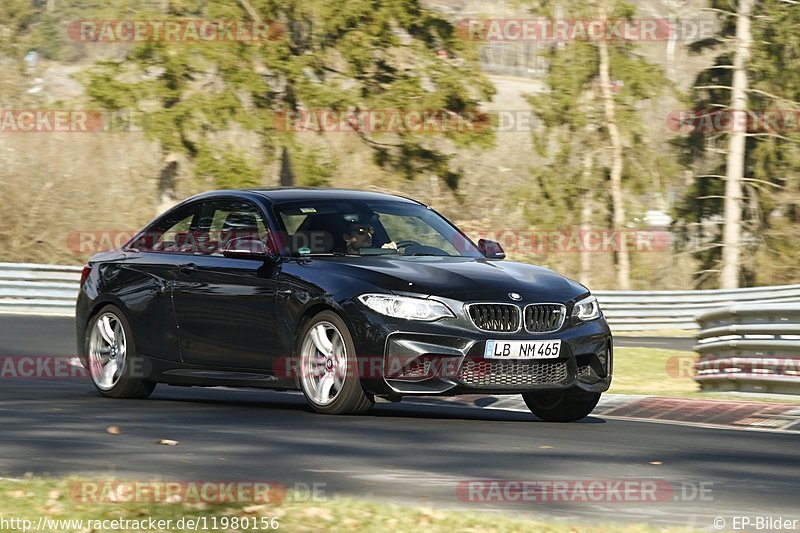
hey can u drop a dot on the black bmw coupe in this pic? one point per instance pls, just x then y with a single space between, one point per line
348 296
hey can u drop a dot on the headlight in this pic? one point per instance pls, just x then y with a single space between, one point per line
586 309
406 307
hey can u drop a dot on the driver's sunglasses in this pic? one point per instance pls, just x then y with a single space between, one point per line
363 230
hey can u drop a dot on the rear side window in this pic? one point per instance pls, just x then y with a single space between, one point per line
169 234
236 216
203 228
222 220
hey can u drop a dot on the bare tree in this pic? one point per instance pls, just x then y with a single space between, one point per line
617 161
732 229
587 192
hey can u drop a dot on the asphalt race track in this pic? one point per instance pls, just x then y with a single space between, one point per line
409 452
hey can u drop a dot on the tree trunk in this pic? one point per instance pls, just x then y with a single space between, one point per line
671 45
585 275
167 183
617 200
587 191
732 230
286 176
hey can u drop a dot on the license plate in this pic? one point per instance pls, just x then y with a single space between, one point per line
522 349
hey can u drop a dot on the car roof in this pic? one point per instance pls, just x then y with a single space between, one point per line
280 195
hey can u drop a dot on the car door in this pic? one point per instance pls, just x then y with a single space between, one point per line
147 275
226 308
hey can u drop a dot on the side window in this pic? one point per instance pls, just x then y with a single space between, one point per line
168 234
223 220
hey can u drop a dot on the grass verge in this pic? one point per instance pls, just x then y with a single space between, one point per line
32 498
659 372
653 371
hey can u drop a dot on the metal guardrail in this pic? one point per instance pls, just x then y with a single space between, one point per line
750 347
52 289
39 289
660 310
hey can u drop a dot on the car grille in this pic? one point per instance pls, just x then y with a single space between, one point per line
416 370
512 374
504 318
584 371
544 318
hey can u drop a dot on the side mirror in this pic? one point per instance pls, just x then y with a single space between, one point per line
491 249
249 247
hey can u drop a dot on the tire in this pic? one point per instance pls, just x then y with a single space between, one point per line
329 375
561 406
111 344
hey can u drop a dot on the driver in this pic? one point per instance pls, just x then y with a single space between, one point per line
360 236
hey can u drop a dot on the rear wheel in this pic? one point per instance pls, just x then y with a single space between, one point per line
561 406
116 370
328 367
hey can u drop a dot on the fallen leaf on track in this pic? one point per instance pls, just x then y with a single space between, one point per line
256 509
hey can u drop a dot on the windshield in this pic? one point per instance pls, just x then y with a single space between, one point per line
383 228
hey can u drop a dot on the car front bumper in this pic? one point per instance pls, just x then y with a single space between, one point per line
446 358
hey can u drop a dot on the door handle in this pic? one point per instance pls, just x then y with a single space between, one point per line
187 267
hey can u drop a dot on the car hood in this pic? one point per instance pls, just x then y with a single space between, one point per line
464 279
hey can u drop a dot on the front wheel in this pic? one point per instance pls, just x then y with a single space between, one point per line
329 374
561 406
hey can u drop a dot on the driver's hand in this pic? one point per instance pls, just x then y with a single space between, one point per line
390 246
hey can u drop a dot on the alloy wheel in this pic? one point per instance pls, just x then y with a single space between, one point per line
107 351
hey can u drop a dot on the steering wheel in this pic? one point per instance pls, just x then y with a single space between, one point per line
418 248
407 243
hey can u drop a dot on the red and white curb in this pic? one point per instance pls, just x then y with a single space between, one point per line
719 414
